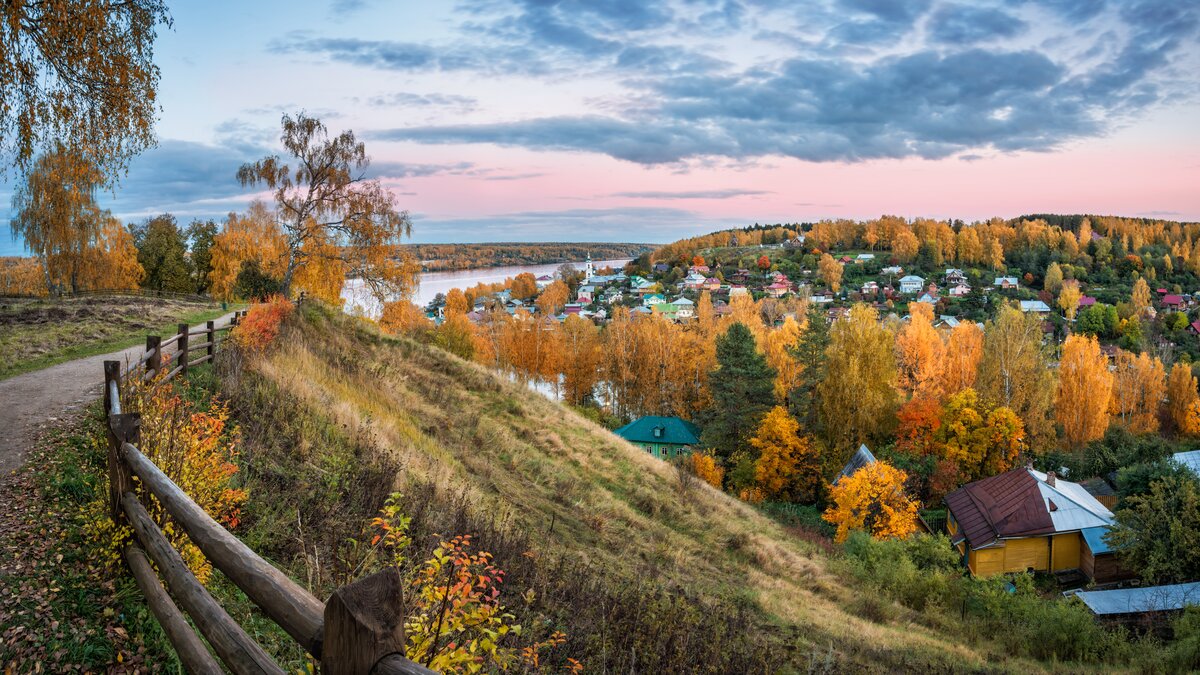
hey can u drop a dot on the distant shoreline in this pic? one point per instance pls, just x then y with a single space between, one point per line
452 257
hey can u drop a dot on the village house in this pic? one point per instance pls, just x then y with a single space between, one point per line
870 288
698 269
911 284
666 310
1086 301
572 308
1006 283
955 276
711 284
735 291
544 281
694 280
1035 306
662 437
959 290
1173 301
928 297
684 308
585 294
892 270
1136 605
863 258
653 299
1024 520
777 289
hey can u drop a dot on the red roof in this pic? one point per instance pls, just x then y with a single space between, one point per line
1172 300
1086 301
779 286
1196 326
1007 505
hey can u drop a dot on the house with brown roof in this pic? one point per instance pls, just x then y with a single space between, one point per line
1024 520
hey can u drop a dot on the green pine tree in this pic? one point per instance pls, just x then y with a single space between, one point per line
810 353
743 391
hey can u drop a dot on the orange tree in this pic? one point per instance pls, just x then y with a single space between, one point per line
788 466
1183 403
872 499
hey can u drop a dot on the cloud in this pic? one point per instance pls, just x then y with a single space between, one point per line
408 99
692 194
650 224
967 24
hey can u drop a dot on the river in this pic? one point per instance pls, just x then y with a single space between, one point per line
433 283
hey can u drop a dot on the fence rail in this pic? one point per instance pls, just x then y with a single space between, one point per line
359 630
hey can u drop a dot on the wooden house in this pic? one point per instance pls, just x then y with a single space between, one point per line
1026 520
662 437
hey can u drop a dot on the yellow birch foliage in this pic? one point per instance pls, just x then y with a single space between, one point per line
253 236
964 350
553 297
1139 387
779 356
831 272
788 467
1183 402
872 499
579 359
1014 373
402 316
1084 387
707 468
858 394
323 273
1068 299
22 276
1140 299
920 354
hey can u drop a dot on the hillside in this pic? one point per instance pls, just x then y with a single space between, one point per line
623 555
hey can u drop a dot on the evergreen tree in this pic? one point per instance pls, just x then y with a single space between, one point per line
743 390
162 252
809 353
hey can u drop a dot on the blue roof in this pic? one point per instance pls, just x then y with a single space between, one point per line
1189 460
858 460
1094 536
1143 599
671 430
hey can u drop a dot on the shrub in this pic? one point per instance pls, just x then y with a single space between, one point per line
259 328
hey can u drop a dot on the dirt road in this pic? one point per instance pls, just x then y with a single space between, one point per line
28 401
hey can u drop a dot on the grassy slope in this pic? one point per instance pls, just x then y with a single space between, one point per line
36 334
541 468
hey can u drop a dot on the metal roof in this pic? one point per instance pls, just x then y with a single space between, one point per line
1070 506
670 430
1189 460
858 460
1094 536
1145 599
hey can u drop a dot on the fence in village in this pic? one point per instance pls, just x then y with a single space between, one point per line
360 629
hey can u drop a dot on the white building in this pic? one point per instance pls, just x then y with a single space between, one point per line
911 284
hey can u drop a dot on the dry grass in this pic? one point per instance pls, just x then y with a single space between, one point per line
571 487
37 333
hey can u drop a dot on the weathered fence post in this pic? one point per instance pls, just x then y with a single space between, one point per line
154 349
364 622
212 339
183 348
122 428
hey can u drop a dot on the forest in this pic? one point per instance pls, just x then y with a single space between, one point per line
437 257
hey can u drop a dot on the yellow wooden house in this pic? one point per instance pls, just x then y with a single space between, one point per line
1026 520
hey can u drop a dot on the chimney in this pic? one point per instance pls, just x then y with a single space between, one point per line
1050 478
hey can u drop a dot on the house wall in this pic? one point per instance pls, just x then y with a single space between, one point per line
1022 554
1065 551
666 450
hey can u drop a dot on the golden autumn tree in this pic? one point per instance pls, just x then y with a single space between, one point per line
831 272
524 286
857 397
579 359
788 466
1183 402
553 297
979 440
778 348
81 74
1140 298
964 350
1053 281
112 264
402 316
1068 299
917 425
1014 373
326 196
872 499
920 354
618 363
21 276
1139 388
1084 386
254 236
905 245
707 468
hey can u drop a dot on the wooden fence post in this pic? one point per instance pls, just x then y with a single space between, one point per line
212 339
183 348
122 428
364 622
154 349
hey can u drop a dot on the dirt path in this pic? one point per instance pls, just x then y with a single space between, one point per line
28 401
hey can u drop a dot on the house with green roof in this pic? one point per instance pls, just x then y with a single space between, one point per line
663 437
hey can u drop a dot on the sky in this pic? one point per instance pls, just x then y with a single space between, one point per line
630 120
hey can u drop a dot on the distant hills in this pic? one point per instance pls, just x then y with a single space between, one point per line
499 254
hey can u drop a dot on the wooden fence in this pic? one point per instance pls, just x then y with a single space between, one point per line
359 630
